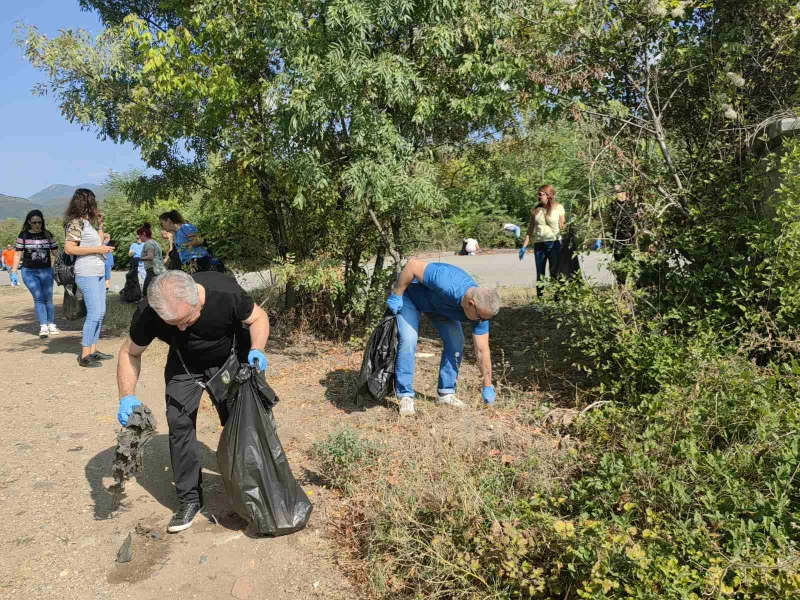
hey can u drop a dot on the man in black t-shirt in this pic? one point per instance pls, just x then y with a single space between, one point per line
199 316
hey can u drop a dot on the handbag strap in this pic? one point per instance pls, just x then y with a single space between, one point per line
185 368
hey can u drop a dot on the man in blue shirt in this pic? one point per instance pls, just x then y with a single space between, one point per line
449 297
135 251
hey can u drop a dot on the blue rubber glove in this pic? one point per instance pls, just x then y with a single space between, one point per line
395 303
522 252
257 357
488 394
126 406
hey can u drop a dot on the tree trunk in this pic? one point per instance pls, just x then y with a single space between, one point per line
375 295
397 221
277 228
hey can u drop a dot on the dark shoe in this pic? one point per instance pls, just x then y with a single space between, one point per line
89 362
183 517
97 355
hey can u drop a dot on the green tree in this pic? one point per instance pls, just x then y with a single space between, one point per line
319 116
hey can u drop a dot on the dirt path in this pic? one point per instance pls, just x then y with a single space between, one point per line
61 529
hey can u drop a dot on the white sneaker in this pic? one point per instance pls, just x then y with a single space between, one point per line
44 331
407 407
451 400
53 329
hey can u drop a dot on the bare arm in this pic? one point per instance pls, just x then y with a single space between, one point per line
414 268
259 328
531 227
75 249
17 258
148 254
129 364
483 357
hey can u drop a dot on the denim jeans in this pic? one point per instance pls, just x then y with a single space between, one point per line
408 332
12 276
546 252
94 294
40 284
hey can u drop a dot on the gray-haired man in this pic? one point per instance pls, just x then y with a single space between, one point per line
199 316
448 296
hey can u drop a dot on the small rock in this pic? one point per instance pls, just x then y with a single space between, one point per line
125 553
203 559
64 573
156 535
242 588
316 584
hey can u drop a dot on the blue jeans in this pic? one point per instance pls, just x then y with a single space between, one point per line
12 276
94 294
546 252
40 284
408 332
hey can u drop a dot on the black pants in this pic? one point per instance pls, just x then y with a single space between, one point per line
149 274
183 401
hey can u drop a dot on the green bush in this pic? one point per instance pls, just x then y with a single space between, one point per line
342 456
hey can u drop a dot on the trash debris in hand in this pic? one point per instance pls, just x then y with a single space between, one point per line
131 440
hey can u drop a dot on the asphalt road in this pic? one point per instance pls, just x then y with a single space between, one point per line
499 268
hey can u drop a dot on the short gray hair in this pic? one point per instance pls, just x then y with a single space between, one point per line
170 289
487 300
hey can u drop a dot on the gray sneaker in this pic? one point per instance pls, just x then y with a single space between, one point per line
451 400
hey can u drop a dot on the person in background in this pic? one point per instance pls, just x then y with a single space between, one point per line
449 297
623 219
135 252
171 261
84 242
152 256
8 264
191 246
545 226
35 245
469 247
109 259
512 228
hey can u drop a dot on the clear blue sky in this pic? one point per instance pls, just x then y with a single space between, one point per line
38 147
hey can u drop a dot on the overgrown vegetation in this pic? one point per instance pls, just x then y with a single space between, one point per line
358 130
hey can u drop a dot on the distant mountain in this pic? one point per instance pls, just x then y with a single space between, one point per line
16 207
52 200
58 195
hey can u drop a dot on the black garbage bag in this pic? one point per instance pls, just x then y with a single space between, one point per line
253 465
377 367
568 264
74 304
131 441
132 292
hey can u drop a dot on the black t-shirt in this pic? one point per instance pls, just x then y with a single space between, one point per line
35 249
207 343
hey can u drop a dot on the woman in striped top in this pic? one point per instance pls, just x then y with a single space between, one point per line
35 244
